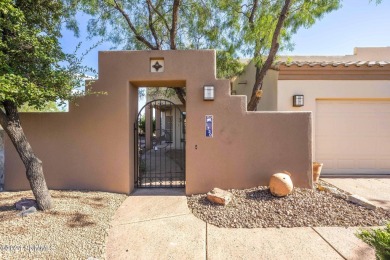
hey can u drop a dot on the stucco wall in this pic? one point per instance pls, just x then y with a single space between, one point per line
328 89
243 85
313 89
91 147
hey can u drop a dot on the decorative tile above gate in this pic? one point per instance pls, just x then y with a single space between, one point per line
157 65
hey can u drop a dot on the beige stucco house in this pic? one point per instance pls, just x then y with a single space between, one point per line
94 145
349 97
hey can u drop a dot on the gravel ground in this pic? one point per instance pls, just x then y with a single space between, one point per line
257 208
76 228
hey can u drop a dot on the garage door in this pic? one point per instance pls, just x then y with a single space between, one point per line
353 137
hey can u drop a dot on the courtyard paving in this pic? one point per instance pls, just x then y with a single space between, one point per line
157 224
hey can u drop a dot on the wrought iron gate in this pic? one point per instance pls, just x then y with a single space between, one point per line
159 134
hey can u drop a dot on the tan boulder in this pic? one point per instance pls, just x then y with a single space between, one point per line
220 196
281 184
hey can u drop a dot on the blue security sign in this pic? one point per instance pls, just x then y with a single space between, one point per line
209 126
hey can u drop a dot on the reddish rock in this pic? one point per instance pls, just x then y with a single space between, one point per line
26 203
220 196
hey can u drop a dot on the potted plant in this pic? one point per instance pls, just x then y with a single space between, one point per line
317 167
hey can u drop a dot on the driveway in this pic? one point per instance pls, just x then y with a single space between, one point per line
376 190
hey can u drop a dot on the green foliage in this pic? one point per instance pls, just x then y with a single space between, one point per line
33 68
49 107
228 66
160 93
258 23
379 239
230 25
151 21
142 124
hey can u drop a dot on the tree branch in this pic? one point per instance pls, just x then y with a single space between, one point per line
151 26
252 16
173 31
252 105
159 14
180 92
130 24
275 38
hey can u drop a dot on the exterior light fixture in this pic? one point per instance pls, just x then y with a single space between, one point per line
298 101
208 93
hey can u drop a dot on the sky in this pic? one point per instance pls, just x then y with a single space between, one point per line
358 23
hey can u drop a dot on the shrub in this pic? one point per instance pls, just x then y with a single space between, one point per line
379 239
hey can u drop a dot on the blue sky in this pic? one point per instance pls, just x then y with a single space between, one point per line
358 23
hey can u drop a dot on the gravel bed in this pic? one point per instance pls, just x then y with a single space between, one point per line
76 228
257 208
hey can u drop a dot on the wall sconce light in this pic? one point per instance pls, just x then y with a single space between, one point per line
208 93
298 101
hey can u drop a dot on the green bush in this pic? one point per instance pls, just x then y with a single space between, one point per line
142 124
379 239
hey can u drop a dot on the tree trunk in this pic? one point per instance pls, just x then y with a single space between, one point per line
180 92
260 72
254 100
11 123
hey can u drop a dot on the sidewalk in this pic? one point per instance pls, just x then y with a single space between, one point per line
157 224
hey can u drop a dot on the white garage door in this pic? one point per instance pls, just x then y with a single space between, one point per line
353 137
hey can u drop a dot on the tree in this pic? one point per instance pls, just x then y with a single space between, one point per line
258 27
154 24
49 107
30 73
267 26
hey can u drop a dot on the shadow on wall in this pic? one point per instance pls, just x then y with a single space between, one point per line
1 159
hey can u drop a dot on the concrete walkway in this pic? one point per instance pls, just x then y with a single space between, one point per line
157 224
376 190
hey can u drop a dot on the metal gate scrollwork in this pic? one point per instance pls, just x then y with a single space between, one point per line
159 133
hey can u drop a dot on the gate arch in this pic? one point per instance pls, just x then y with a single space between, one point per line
159 133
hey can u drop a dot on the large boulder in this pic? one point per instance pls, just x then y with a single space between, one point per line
220 196
281 184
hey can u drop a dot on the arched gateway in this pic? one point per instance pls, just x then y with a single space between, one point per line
159 145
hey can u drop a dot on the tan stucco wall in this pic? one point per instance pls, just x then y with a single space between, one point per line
91 147
371 53
243 85
328 89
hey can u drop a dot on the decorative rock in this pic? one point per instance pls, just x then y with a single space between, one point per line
219 196
281 184
335 192
327 189
361 201
26 203
26 212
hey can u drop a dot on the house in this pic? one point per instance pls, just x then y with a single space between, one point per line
94 145
349 97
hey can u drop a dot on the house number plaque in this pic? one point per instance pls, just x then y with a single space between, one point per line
209 126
